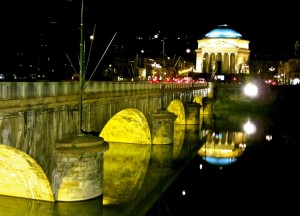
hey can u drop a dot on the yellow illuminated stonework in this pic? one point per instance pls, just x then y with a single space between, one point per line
125 167
21 176
198 99
177 108
127 126
178 140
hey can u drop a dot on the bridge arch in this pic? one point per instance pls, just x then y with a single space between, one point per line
21 176
127 126
176 107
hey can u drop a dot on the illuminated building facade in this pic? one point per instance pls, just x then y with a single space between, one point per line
222 51
289 71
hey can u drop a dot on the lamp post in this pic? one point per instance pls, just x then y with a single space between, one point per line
163 72
188 51
82 69
81 72
137 63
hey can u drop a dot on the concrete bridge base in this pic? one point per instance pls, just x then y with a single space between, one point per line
162 139
192 113
78 172
162 127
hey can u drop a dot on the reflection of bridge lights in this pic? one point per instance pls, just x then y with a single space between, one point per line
241 145
219 160
249 128
219 136
269 137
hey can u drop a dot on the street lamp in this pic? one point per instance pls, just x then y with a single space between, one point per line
163 71
188 50
137 64
81 68
251 90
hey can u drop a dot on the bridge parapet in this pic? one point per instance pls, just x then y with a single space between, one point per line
25 90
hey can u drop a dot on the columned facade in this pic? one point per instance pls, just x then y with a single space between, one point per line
222 51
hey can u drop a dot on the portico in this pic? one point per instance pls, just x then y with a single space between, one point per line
222 51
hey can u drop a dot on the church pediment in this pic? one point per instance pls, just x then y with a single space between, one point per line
219 45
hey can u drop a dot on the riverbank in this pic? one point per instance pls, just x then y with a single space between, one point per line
270 100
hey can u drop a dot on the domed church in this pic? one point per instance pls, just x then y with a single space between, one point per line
222 51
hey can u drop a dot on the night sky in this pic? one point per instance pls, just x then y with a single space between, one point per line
272 29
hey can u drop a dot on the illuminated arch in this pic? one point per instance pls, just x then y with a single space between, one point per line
127 126
198 99
21 176
177 108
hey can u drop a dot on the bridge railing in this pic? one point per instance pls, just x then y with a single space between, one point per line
25 90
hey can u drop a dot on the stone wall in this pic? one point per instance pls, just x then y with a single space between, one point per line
34 125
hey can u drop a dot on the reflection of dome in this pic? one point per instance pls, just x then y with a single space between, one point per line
223 31
219 155
219 161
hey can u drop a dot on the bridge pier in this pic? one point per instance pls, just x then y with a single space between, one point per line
162 127
192 113
162 139
78 172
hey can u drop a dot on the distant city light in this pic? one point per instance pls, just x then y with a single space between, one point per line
272 68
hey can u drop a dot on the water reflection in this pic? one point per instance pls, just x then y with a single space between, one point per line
178 139
224 146
237 171
125 168
14 206
137 176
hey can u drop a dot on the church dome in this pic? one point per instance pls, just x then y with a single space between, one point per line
223 31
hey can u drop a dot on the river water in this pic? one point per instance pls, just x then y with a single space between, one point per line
262 180
230 163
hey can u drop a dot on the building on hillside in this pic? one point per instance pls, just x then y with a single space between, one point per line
222 51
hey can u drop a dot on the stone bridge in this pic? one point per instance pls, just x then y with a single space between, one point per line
45 155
